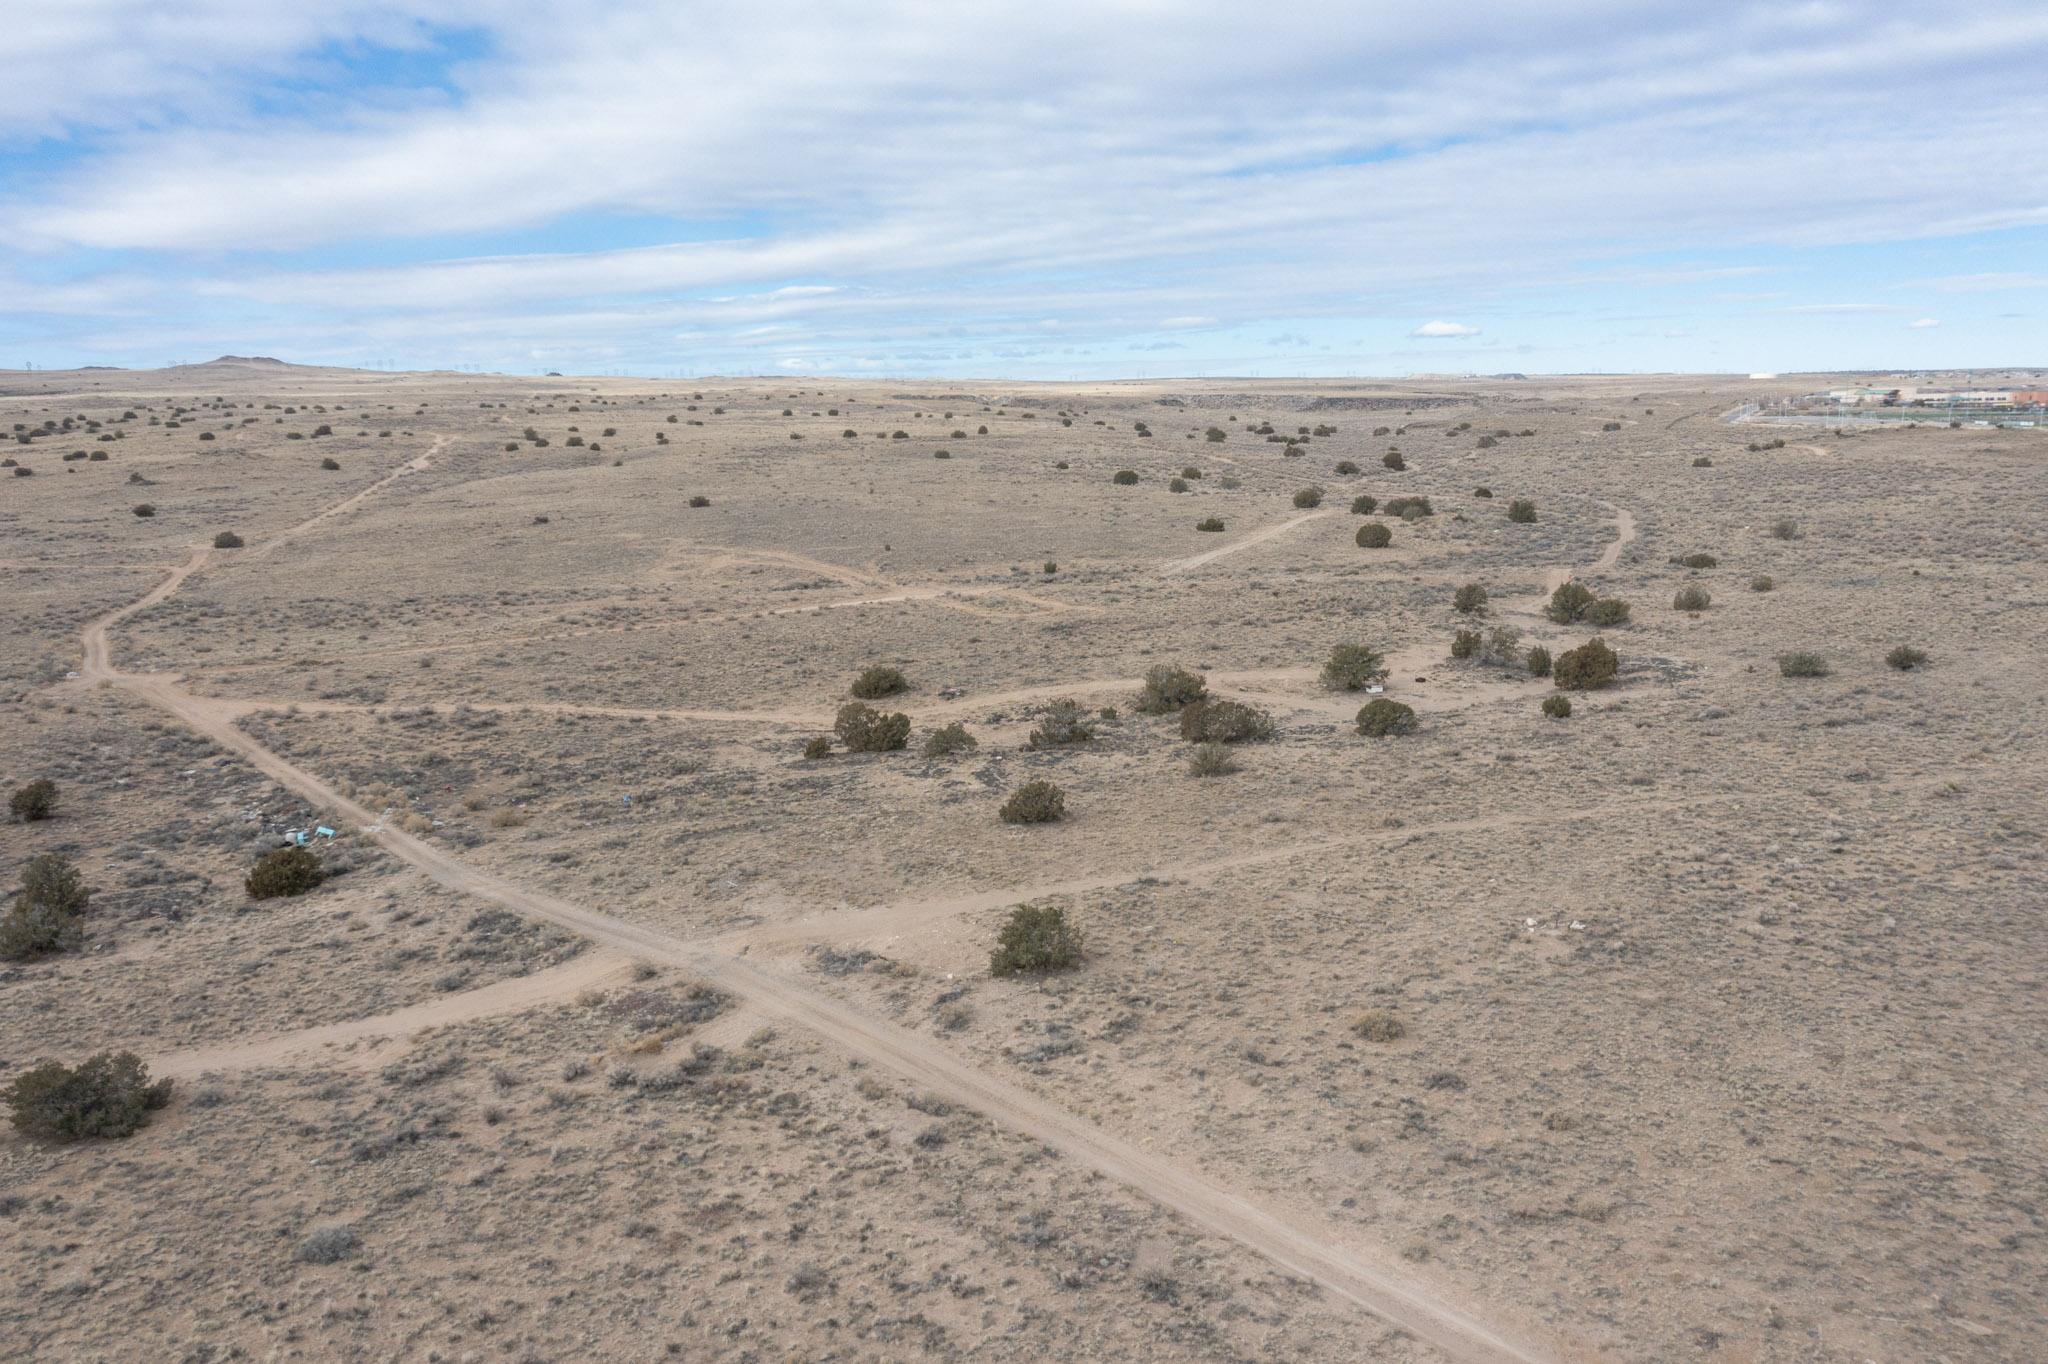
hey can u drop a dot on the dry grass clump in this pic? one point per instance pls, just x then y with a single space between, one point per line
1063 722
1211 760
1692 599
1802 663
1379 1025
1905 658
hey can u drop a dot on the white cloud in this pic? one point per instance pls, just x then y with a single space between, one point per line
1189 321
1444 329
1923 324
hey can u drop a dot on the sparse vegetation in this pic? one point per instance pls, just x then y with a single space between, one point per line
1363 504
33 801
1905 658
1409 508
227 539
1538 661
1124 477
1521 511
1062 723
1692 598
1308 497
45 914
1378 1025
1469 600
1569 602
1784 529
1210 524
949 740
1557 706
816 747
878 681
1465 644
1762 582
107 1095
1035 938
1802 663
1224 722
1607 612
1392 460
1374 535
1697 561
1211 760
1353 667
1382 718
1035 802
1168 688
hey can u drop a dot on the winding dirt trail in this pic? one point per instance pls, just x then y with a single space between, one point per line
1624 536
1257 537
1298 1242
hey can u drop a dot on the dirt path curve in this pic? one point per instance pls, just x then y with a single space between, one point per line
347 504
1624 535
1297 1242
571 978
1257 537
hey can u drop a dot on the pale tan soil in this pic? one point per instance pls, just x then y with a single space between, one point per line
1777 1096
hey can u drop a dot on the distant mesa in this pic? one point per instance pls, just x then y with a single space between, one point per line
269 362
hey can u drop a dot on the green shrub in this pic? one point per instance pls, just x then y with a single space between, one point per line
1569 602
1373 535
45 915
1905 658
1785 529
34 801
1224 722
1503 646
817 747
948 740
1465 644
1353 667
1377 1025
1211 760
1802 663
1308 497
1692 599
1345 469
1557 707
1035 802
1606 612
863 729
1762 582
1176 485
1214 435
108 1095
1698 560
1702 462
286 872
1210 523
1363 504
1124 477
1590 666
227 539
1036 938
1409 508
1168 688
1469 600
1521 511
1539 661
700 501
1380 718
878 681
143 510
331 464
1482 491
1063 722
1392 460
1190 472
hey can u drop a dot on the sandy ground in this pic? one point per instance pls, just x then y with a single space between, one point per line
1723 1028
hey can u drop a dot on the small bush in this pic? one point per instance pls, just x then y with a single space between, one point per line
1176 485
1503 646
1035 802
1345 469
1702 462
816 747
286 872
1590 666
863 729
1905 658
1353 667
948 740
1211 760
1190 472
1064 722
1363 504
1469 600
1557 707
1214 435
227 539
45 915
327 1245
1539 661
699 500
1482 491
1409 508
1802 663
1698 560
878 681
1210 523
1569 602
1392 459
1785 529
1380 718
1308 497
34 801
1124 477
1169 688
1036 938
1762 582
1607 612
1224 722
1373 535
1521 511
331 464
143 510
1465 644
1377 1025
1692 599
108 1095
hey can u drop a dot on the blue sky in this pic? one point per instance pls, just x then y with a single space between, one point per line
1084 189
